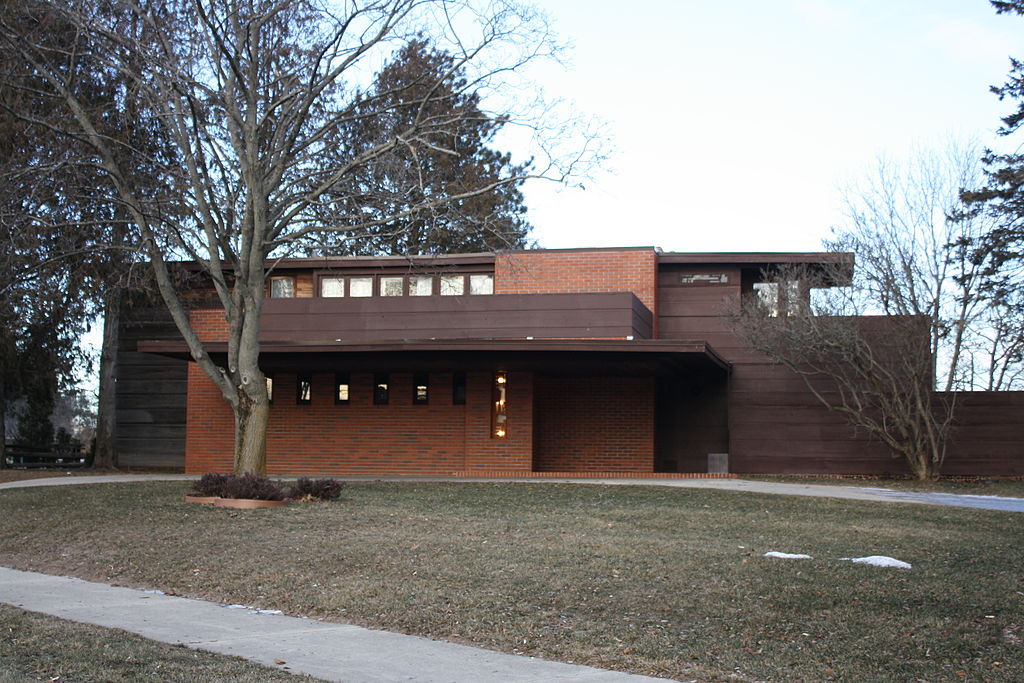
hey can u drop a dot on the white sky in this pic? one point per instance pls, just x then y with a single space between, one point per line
734 123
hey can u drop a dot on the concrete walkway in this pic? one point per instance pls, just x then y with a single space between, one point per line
880 495
334 652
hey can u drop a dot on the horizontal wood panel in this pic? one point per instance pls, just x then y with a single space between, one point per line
503 316
151 415
145 387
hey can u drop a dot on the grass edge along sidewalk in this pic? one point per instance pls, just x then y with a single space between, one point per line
336 652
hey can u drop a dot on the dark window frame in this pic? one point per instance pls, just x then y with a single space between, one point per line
381 397
342 378
458 388
421 379
300 379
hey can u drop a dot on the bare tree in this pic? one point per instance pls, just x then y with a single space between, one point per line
254 96
916 255
876 371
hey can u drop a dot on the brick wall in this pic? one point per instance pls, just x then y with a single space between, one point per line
361 438
577 271
209 324
601 424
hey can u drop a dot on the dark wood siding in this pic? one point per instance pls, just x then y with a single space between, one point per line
988 434
150 392
500 316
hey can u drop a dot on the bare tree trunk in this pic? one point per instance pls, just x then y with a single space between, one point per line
3 422
106 417
251 418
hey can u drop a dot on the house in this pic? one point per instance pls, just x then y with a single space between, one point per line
543 361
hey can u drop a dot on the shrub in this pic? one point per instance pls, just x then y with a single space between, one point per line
251 486
316 489
210 484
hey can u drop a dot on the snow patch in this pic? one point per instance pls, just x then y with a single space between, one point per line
252 609
879 561
788 556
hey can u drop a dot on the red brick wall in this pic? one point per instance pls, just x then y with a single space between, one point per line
209 426
362 438
602 424
515 451
209 323
576 271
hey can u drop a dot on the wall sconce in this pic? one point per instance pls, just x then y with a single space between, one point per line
499 417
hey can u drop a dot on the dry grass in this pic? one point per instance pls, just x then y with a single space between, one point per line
661 581
36 647
1011 487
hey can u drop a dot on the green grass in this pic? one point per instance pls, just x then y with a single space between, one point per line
662 581
36 647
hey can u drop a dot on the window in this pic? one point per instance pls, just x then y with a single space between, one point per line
420 388
459 389
421 285
282 287
780 298
452 285
380 389
391 286
270 388
481 284
304 389
332 286
360 286
341 386
499 418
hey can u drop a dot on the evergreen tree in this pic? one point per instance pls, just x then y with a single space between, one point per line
424 89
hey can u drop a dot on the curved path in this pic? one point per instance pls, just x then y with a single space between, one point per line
881 495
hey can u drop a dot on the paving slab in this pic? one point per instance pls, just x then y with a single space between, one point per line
334 652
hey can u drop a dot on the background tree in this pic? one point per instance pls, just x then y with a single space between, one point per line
1000 200
65 234
255 100
916 255
875 371
420 84
913 316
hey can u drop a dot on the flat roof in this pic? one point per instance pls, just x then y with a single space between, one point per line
609 356
752 258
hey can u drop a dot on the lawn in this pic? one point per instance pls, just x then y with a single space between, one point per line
1012 487
662 581
36 647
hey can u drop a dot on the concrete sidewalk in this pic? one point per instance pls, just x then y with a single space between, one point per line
334 652
879 495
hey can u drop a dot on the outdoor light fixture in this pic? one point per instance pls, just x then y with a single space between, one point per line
499 418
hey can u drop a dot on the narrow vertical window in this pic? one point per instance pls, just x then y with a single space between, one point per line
459 389
481 284
282 287
381 389
304 389
341 383
270 388
420 388
499 421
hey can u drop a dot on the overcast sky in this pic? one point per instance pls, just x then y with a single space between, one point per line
734 123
